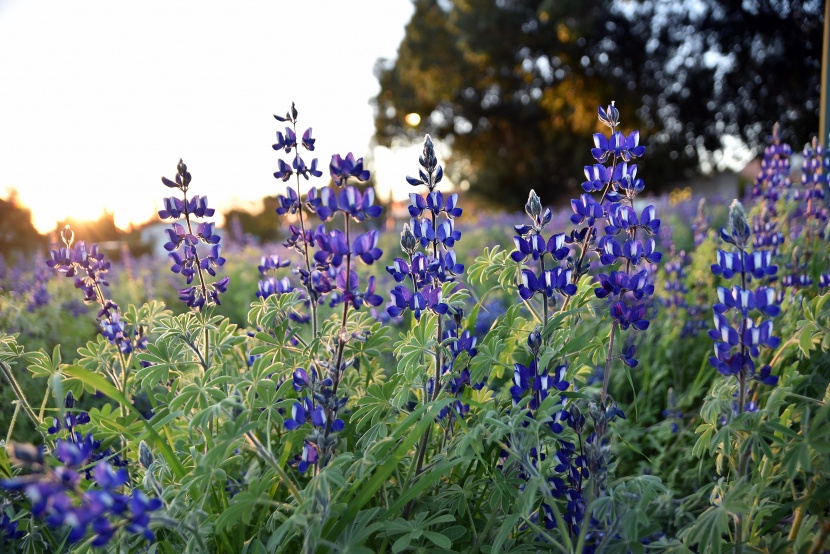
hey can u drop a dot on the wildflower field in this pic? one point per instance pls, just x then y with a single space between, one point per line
630 375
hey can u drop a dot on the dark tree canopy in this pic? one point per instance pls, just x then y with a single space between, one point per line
16 230
513 85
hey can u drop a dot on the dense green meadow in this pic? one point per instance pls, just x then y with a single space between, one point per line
631 374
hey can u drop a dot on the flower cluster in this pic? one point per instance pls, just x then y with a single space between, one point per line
71 419
772 183
628 235
548 281
182 242
813 182
89 268
327 271
460 342
431 228
56 494
270 283
738 342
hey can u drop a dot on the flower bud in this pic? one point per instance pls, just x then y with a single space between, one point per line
533 206
534 340
408 240
145 456
577 419
458 316
429 161
69 401
739 228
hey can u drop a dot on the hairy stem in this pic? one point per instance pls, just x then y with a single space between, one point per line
18 392
311 296
341 337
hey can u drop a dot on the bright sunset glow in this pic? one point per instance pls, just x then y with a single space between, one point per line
101 99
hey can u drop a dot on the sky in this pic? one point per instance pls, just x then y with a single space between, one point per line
99 99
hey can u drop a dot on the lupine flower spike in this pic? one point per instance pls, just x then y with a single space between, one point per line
193 247
327 273
740 328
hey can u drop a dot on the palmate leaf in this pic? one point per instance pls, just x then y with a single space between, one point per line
489 264
271 312
97 355
454 295
225 338
375 405
200 394
415 347
487 359
165 357
43 365
10 350
708 530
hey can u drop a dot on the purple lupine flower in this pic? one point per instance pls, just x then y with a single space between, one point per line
300 168
358 206
284 172
326 205
609 250
197 206
287 141
341 169
737 344
533 245
288 204
173 207
618 145
404 298
308 142
182 245
423 231
586 208
399 269
446 234
365 246
56 497
140 505
308 457
300 413
596 176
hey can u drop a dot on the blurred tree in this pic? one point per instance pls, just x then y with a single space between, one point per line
728 67
512 86
16 230
263 225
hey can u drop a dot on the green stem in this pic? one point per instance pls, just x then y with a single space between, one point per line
606 376
45 399
341 337
490 522
544 296
21 398
800 511
269 458
14 420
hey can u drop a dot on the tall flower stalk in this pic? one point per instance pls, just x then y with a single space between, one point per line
328 273
89 267
428 242
300 238
738 338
